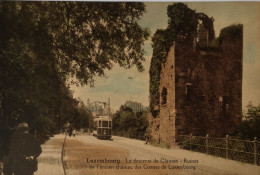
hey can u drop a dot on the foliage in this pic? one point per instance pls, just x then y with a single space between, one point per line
250 126
155 67
44 44
85 118
83 38
232 31
127 121
182 21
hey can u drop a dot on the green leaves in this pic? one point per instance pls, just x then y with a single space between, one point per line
44 44
96 35
250 126
182 19
127 120
83 38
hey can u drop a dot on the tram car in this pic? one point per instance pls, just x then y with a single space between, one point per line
103 127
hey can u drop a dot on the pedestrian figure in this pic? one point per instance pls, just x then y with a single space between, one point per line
66 128
24 150
70 131
74 132
66 131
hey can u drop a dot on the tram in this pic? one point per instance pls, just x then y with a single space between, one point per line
103 127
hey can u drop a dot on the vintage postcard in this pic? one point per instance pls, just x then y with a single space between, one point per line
129 88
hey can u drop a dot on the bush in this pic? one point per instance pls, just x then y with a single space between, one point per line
250 126
126 121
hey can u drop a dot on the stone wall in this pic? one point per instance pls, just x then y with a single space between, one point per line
200 89
232 51
163 126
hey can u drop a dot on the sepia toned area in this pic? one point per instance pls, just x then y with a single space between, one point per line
50 161
126 154
200 85
129 88
79 154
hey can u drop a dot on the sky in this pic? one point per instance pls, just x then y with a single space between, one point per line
128 84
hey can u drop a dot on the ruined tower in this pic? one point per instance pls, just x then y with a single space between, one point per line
200 84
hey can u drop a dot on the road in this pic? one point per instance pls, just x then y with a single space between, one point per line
85 154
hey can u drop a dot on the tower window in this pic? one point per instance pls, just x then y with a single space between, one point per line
164 95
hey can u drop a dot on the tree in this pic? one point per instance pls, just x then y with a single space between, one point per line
127 121
67 39
81 38
85 117
44 44
182 21
250 126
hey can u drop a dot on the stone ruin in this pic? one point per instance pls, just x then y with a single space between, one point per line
200 85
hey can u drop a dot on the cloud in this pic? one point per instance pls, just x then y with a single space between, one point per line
120 83
118 87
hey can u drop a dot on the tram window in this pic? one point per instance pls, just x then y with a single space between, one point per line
105 124
110 124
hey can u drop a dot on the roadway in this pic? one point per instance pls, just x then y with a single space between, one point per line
85 154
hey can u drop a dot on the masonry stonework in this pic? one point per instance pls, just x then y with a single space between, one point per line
200 87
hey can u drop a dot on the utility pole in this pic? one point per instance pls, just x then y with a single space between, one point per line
108 106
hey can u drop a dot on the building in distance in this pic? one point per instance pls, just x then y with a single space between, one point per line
135 106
